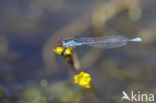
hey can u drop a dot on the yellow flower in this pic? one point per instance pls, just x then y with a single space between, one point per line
68 51
58 50
83 79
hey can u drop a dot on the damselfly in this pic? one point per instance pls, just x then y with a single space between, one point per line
98 42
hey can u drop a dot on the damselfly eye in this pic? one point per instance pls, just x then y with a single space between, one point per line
59 43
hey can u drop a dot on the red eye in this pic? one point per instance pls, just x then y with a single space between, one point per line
59 44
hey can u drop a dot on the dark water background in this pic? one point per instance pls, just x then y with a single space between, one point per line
30 72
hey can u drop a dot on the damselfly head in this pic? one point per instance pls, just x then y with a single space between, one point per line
59 43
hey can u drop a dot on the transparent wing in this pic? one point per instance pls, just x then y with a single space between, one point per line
105 42
108 45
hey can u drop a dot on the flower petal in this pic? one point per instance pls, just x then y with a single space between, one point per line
83 79
58 50
68 51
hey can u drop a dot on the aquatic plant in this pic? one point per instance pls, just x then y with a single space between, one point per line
81 78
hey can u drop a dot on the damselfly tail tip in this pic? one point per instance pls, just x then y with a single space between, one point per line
137 39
